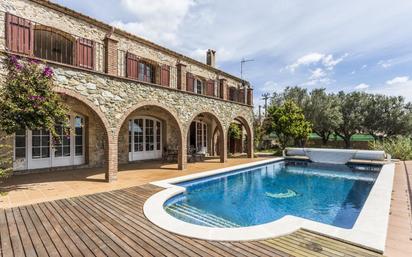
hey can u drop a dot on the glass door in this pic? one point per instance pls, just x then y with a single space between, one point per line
146 138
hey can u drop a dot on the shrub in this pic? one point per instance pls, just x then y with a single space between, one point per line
234 131
399 147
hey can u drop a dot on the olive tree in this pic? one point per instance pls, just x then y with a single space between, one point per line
288 123
351 108
323 112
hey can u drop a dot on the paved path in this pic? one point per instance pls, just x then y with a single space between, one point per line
112 224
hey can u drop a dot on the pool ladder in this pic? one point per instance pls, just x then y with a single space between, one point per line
199 217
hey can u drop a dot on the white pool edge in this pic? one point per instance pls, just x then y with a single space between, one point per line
369 230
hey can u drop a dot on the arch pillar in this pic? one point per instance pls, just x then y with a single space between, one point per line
182 153
112 160
223 146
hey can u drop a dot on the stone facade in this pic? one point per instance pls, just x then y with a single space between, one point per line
108 100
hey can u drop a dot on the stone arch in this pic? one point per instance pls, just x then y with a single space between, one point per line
171 114
111 148
249 132
220 127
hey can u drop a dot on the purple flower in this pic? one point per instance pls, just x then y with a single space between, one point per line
18 66
48 72
34 61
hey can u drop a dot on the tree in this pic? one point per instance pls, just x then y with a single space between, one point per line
27 101
235 131
323 112
351 107
288 122
296 94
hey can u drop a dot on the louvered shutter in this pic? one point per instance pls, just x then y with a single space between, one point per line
210 88
85 53
19 35
190 80
165 75
241 95
132 66
221 89
250 96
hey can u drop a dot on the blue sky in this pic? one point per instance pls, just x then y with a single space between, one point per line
338 45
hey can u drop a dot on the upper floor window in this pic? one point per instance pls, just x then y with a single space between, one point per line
53 45
146 72
26 37
139 69
199 89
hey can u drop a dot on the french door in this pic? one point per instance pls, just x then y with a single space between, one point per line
35 149
198 136
145 139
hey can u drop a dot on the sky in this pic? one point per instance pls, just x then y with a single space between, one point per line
338 45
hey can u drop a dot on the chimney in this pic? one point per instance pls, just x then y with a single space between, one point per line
211 57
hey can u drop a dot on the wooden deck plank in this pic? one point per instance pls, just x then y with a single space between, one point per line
97 234
6 247
132 218
141 239
183 242
80 246
98 246
91 247
32 233
222 249
113 224
44 236
50 230
134 209
101 225
14 234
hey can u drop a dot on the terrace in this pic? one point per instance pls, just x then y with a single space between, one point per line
33 199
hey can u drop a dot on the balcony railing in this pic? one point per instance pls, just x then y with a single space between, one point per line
30 38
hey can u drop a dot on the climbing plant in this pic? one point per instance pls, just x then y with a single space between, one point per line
234 131
27 101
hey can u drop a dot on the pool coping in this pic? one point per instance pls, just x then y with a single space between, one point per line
369 230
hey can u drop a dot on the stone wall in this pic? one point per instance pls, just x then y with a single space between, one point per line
80 28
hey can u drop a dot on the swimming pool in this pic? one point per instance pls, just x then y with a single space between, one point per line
330 194
275 197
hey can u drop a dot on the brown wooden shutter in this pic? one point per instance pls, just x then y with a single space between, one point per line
210 87
165 75
132 66
190 80
250 96
241 95
19 35
85 53
221 89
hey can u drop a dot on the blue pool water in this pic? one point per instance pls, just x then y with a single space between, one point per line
331 194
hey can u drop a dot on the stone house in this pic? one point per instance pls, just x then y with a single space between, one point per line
129 99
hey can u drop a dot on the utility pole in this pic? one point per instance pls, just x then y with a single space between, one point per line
242 62
266 98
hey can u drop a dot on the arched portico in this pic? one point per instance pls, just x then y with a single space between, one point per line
247 132
201 133
96 125
146 131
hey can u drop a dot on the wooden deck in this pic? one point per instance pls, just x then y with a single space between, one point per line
113 224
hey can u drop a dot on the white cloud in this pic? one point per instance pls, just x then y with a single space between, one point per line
398 80
385 64
317 74
398 86
362 86
156 20
325 60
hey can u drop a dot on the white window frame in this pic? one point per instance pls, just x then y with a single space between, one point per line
29 163
146 154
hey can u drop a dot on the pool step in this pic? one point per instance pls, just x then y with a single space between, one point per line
199 217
